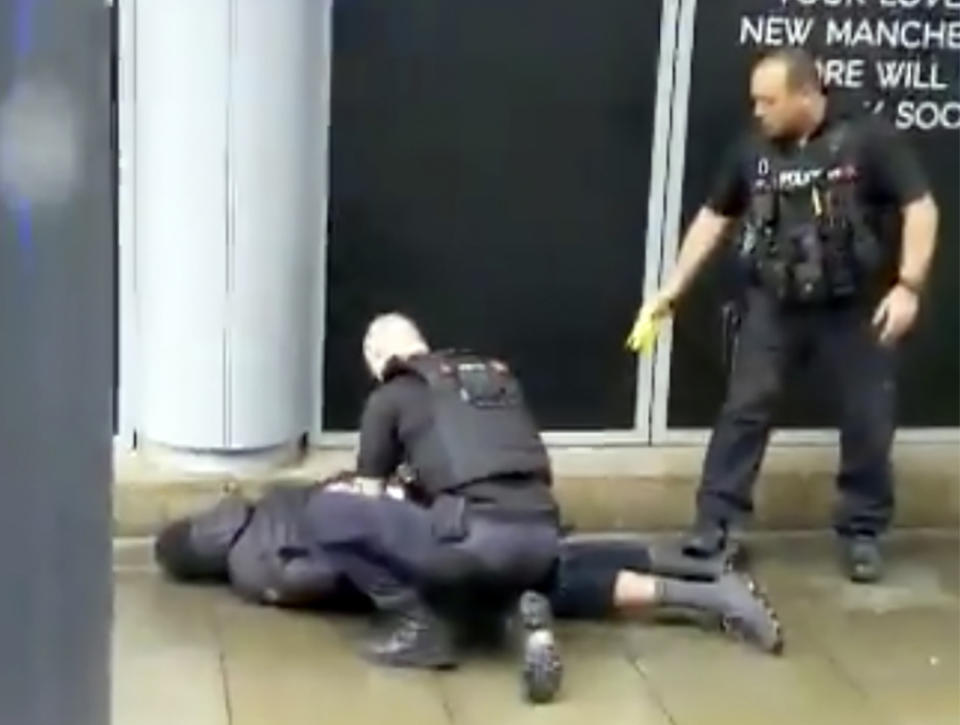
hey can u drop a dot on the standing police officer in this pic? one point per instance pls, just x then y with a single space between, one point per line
815 193
484 527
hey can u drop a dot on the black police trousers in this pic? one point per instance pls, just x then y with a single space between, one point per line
400 553
772 339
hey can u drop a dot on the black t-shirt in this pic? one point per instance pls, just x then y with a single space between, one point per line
395 427
890 174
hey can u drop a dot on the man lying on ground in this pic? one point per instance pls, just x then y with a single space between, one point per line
266 550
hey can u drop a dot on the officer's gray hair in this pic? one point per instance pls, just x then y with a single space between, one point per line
802 71
391 336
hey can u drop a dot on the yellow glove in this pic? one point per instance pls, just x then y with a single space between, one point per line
647 326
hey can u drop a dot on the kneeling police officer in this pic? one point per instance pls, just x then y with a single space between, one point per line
484 525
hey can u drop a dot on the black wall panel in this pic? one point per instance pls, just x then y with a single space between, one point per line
490 162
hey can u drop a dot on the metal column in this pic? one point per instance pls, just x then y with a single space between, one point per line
228 221
56 340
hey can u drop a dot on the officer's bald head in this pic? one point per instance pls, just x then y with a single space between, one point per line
800 72
787 93
391 336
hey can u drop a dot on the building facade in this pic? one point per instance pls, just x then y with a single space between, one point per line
515 175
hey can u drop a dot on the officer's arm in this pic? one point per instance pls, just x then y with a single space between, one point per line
701 240
900 176
727 201
920 219
380 451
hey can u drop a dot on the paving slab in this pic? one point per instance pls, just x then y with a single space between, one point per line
707 679
167 665
600 686
302 669
885 654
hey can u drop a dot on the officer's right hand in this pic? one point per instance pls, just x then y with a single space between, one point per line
358 486
647 325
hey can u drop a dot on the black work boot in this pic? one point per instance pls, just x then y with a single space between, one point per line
531 630
747 614
862 559
414 637
670 559
707 539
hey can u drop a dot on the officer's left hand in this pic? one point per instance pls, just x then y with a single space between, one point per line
645 329
896 314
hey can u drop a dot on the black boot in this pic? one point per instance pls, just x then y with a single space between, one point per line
414 637
668 559
531 629
862 559
706 540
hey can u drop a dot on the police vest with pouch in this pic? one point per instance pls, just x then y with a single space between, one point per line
482 427
805 236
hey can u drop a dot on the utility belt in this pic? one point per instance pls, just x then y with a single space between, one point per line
451 515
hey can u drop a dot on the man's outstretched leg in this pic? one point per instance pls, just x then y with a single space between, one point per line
598 578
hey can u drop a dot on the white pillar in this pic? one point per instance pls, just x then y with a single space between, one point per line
229 176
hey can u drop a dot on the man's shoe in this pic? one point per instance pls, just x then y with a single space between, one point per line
414 638
748 615
532 629
862 559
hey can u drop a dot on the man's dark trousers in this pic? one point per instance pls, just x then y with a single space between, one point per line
395 551
772 340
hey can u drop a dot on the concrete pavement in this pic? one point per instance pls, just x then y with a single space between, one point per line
880 655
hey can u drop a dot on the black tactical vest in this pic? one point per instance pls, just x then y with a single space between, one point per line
805 236
482 427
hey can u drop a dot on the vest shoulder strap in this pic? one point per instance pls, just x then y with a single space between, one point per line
433 368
